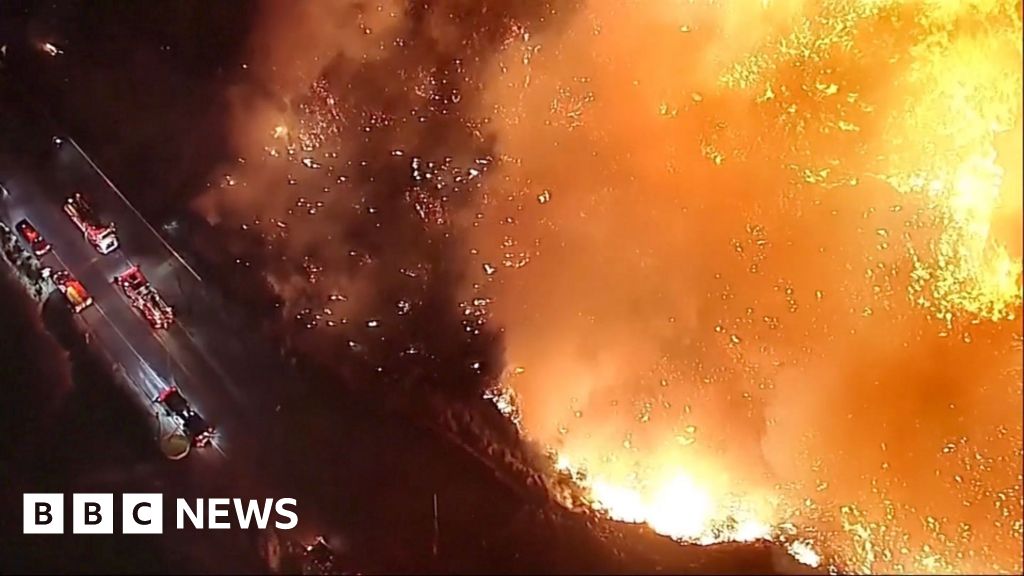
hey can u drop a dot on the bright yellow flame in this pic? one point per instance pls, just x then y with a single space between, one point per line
674 502
959 93
964 93
972 272
804 553
679 508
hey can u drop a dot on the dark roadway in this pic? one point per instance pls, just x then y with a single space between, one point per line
150 359
387 473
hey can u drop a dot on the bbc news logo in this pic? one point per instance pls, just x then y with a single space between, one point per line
144 513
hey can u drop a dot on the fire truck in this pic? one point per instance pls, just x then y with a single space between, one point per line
176 406
102 236
145 298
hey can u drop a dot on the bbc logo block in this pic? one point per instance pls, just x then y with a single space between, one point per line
142 514
93 514
43 514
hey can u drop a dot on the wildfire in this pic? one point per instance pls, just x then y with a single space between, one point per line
923 96
756 263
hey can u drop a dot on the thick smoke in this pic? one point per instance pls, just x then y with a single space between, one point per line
671 291
355 152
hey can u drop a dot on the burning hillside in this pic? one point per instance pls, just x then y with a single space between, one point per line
756 265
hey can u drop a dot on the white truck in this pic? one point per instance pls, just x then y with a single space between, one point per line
101 235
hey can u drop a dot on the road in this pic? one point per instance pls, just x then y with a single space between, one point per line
150 359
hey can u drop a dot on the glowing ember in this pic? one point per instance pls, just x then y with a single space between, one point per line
804 553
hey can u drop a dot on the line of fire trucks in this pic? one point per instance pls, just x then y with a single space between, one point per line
103 237
142 295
